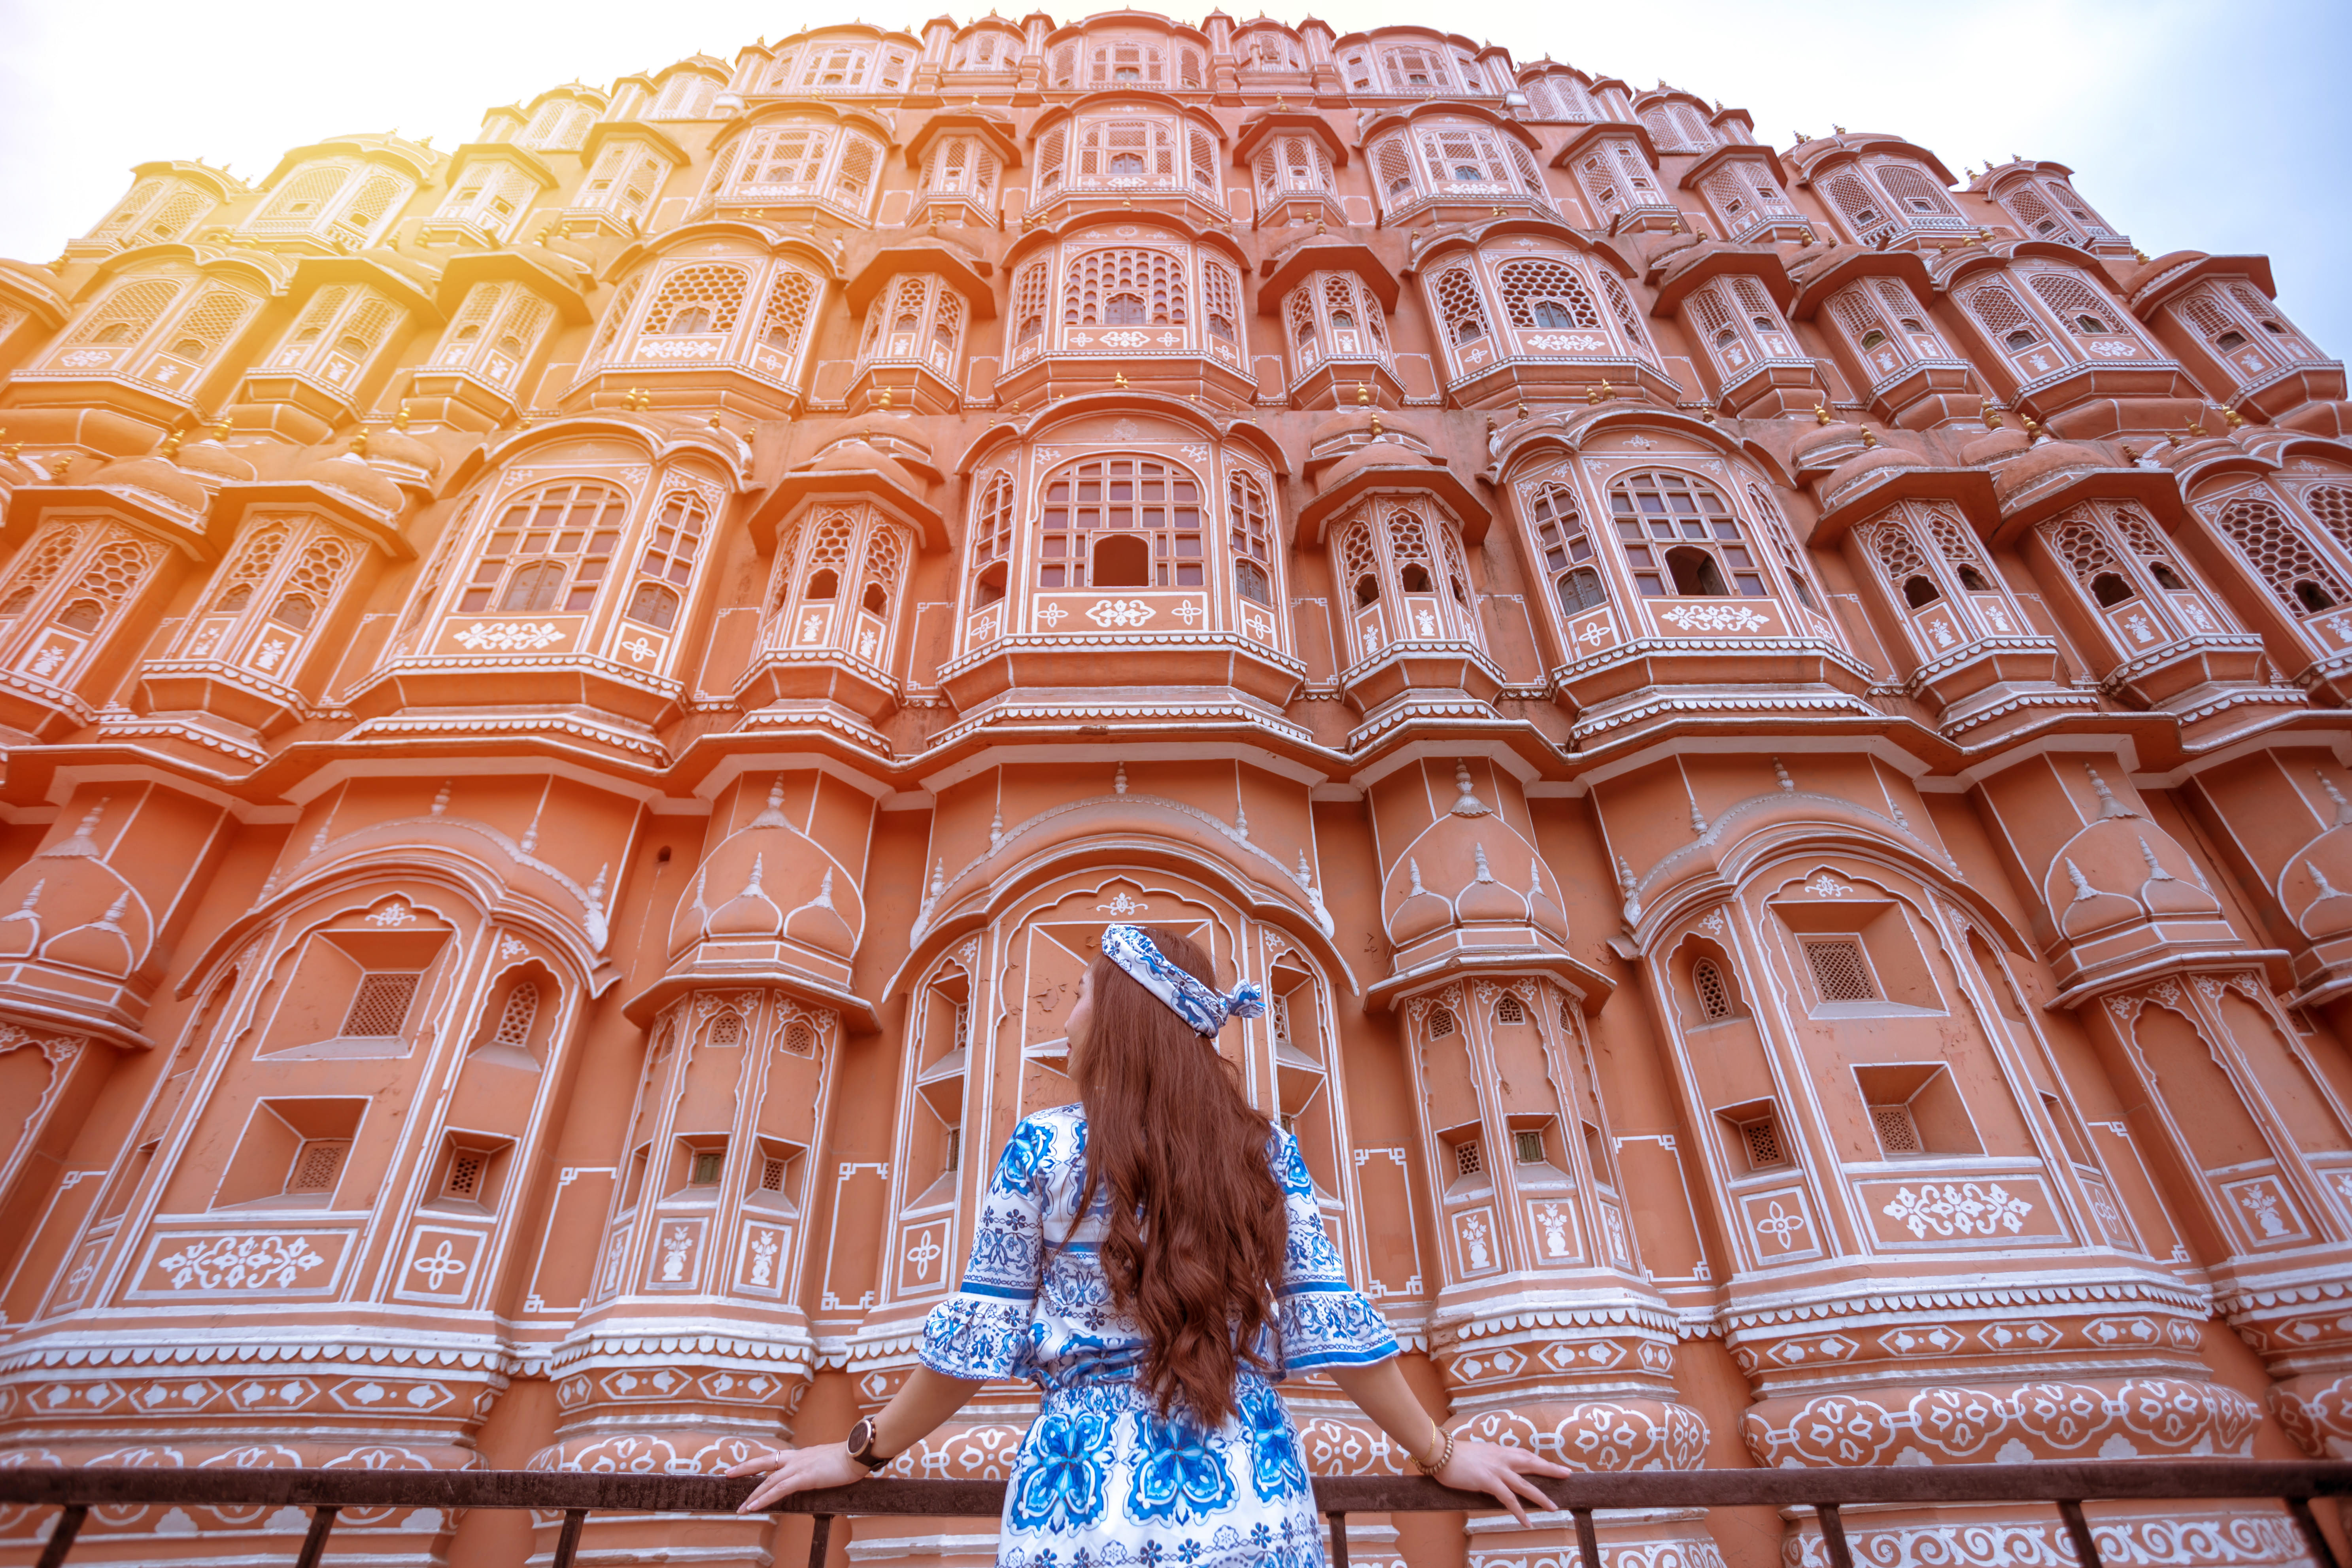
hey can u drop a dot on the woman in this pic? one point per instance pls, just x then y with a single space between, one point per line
1154 1260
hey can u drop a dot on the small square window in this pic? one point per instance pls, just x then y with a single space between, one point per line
1528 1146
1840 970
317 1164
1761 1139
1467 1161
706 1164
380 1005
771 1174
1898 1132
466 1169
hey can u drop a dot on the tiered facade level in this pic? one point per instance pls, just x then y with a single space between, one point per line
574 706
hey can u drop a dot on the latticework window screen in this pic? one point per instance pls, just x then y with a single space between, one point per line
317 1163
378 1006
1898 1132
1841 973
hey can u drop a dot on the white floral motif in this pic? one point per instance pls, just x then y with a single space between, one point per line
510 636
1558 342
394 913
1716 618
763 1256
1825 886
439 1266
1779 1225
638 648
1121 905
1110 613
240 1263
1960 1208
2114 350
925 1252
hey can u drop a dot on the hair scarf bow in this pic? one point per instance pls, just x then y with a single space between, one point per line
1202 1006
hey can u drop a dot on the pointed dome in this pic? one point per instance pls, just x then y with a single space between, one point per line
351 476
751 912
1873 460
820 925
153 477
1421 912
211 461
2090 909
396 450
2047 460
1486 901
1994 446
766 880
1825 445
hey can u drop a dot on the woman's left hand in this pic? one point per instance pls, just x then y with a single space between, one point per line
1501 1473
793 1470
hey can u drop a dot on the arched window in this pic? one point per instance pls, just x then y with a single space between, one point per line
2083 312
69 591
495 332
548 551
698 299
1289 164
124 316
1125 286
516 1017
1031 290
960 165
1403 567
1250 534
1541 292
1566 547
1335 315
1459 307
991 540
669 559
838 575
1708 987
802 160
919 318
1680 537
1137 518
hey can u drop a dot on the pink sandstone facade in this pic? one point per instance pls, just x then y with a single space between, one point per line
574 705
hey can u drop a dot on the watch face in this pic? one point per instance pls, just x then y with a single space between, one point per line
861 1438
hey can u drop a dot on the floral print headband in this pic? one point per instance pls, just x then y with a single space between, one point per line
1202 1006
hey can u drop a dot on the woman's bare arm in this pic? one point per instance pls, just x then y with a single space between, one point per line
925 1400
1382 1393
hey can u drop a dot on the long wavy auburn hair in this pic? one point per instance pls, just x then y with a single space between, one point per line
1196 1229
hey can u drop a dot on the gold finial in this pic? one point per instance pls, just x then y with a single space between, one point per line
2232 418
1707 415
2027 420
886 397
400 420
1498 212
2140 256
1376 425
1989 413
1281 107
1523 408
1607 393
1593 396
1821 414
523 420
1121 382
1319 228
1869 441
359 443
1836 129
170 447
64 461
2193 425
1363 391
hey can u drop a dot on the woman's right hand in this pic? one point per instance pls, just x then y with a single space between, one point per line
1501 1473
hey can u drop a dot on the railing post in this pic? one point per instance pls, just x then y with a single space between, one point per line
2313 1540
820 1538
1833 1534
1588 1540
61 1538
567 1541
1338 1538
314 1544
2086 1551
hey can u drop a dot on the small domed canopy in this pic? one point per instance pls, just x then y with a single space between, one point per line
153 477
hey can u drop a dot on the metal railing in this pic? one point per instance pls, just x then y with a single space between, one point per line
575 1495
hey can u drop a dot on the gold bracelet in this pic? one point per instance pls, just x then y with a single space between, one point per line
1440 1444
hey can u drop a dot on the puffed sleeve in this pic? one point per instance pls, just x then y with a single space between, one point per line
984 1330
1319 1316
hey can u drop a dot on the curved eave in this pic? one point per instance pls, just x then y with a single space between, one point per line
1864 262
197 535
858 1015
2158 489
2155 292
1706 163
1113 217
1847 147
1151 20
965 274
1755 261
272 272
661 141
1152 97
522 158
802 486
1971 490
1470 509
1453 108
1590 987
224 185
1948 275
1403 29
36 291
314 270
1598 129
778 108
1327 253
410 159
658 444
1982 186
381 530
463 272
1268 122
1568 433
776 240
999 135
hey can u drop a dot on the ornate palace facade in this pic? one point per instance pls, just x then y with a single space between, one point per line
1772 716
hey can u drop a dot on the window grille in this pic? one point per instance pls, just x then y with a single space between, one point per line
1148 513
466 1169
219 311
991 539
800 1040
128 314
1544 293
1761 1141
2002 317
380 1005
1840 970
1898 1134
1628 322
517 1016
379 194
1915 195
175 217
698 299
1855 204
1125 288
1459 307
1250 536
707 1164
1467 1161
2025 204
1713 996
302 200
127 211
317 1163
548 550
1508 1010
785 319
2085 313
951 1158
616 316
2277 550
1680 537
2332 505
772 1173
1528 1146
669 556
1221 297
727 1030
1898 553
1441 1022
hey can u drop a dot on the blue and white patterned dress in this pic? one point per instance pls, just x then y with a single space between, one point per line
1102 1478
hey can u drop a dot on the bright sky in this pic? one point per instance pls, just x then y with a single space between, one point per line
2190 123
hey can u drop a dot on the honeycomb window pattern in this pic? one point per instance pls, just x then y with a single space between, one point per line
1441 1022
466 1169
1898 1132
1468 1159
516 1017
2332 506
1841 973
1540 293
317 1163
1125 288
378 1006
991 539
548 550
698 299
1713 996
2277 551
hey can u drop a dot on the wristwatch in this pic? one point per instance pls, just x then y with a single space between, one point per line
861 1445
